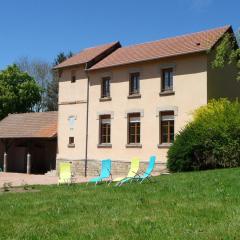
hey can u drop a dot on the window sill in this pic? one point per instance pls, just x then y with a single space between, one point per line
164 145
105 99
134 145
166 93
104 145
135 95
72 145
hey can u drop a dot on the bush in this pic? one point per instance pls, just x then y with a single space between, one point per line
211 140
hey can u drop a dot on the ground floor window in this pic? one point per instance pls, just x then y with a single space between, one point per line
166 127
105 129
71 140
133 128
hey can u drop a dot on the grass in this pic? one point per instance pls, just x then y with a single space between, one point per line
198 205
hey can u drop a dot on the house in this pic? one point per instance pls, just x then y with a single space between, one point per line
119 102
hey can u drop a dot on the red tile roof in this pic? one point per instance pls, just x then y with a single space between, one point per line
185 44
29 125
86 55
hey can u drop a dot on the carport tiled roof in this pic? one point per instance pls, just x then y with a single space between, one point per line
29 125
180 45
88 54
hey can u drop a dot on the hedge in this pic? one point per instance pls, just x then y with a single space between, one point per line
211 140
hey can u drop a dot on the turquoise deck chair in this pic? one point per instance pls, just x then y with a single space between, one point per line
105 172
147 173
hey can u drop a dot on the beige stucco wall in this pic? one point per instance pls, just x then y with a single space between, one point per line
222 82
190 86
72 102
76 91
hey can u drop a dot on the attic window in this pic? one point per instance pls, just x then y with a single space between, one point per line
198 43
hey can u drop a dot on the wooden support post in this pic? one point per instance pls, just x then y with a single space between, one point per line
28 163
5 162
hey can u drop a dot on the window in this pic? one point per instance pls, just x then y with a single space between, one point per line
134 85
73 76
105 87
133 128
167 127
105 129
71 141
167 79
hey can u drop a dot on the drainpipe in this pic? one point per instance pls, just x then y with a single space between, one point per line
87 113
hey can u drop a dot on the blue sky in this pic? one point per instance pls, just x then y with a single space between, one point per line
43 28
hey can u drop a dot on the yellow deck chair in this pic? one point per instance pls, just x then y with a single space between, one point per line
131 174
65 175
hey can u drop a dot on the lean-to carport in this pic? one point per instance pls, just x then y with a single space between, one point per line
28 142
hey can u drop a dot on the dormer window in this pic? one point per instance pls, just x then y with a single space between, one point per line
73 76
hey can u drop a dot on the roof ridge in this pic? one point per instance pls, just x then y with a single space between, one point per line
31 113
177 36
90 48
86 55
101 45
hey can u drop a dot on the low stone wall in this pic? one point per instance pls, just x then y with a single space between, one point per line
119 168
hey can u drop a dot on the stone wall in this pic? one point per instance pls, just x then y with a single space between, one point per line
119 168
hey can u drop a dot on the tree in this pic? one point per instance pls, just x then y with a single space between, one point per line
41 71
228 52
18 91
238 37
211 140
52 88
62 57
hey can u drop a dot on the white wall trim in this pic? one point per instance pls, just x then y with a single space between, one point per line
167 108
141 111
111 113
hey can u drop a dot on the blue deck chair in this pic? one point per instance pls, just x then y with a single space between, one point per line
147 173
105 172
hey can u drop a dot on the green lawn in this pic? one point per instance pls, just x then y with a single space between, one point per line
200 205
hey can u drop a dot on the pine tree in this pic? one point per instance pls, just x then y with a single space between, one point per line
52 88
